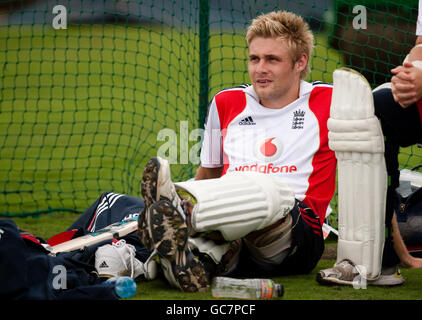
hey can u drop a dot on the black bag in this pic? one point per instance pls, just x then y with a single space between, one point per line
409 216
27 271
26 268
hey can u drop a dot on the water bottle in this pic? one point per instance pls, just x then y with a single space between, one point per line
225 287
125 287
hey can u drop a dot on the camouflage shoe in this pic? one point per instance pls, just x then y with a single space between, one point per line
156 184
164 230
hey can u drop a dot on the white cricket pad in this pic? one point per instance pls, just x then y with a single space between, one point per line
356 137
238 203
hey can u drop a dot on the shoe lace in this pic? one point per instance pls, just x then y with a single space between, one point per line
121 247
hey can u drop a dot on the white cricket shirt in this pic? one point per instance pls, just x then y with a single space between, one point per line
291 142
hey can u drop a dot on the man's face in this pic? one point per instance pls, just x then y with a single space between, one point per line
275 78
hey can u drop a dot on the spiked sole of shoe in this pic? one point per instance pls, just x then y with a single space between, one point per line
149 184
167 229
190 273
168 236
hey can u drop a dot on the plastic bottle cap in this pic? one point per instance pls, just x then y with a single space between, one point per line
279 289
125 287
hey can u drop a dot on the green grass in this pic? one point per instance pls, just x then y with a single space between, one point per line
301 287
410 157
297 287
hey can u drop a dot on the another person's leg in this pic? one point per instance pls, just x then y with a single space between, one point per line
401 128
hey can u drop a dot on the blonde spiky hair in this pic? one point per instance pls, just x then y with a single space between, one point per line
285 26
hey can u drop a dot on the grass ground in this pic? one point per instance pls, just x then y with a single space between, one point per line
298 287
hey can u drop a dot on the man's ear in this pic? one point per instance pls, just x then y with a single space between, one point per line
301 63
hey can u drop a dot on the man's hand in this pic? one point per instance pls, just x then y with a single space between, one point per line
406 84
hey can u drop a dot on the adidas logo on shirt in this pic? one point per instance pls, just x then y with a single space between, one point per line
248 121
103 265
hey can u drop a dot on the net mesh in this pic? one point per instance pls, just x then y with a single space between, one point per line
90 90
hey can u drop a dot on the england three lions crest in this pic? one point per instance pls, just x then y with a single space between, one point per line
298 119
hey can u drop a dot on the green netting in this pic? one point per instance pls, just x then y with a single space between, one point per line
83 108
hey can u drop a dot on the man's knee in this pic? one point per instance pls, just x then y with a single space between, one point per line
399 125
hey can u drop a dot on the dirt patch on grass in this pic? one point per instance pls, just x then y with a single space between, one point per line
330 252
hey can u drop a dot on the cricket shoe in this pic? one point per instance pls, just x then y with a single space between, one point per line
346 272
156 184
389 277
164 231
118 259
